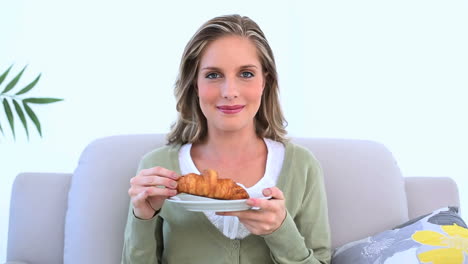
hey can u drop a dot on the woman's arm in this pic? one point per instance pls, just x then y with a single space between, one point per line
143 240
306 238
143 237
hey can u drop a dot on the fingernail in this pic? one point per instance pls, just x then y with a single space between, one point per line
251 202
173 184
267 192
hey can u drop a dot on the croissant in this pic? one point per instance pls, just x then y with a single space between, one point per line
208 185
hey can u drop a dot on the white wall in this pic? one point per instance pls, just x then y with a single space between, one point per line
393 71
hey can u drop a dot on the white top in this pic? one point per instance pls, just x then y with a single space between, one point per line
230 225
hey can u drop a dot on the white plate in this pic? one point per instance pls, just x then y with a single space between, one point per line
202 204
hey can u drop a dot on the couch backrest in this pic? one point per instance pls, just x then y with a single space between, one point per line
364 187
98 201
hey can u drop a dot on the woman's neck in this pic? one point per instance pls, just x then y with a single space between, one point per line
225 146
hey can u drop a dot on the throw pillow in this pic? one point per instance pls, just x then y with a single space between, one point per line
437 238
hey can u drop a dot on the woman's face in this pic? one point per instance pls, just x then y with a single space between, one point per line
230 84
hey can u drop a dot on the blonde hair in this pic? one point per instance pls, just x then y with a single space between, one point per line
191 124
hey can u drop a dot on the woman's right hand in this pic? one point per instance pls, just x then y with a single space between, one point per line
150 188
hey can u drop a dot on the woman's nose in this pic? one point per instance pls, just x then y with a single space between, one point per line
229 89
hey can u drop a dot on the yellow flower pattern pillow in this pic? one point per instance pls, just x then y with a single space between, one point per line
451 245
438 238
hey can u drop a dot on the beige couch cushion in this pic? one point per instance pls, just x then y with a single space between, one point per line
365 188
98 200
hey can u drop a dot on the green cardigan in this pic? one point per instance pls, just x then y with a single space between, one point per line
179 236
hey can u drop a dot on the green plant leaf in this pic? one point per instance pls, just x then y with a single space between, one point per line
10 117
20 113
29 86
44 100
33 117
1 129
4 75
13 82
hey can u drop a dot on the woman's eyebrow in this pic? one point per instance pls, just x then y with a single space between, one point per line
248 66
211 68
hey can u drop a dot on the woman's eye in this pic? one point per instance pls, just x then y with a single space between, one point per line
247 75
212 75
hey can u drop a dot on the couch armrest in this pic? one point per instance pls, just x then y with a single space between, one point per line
37 217
425 194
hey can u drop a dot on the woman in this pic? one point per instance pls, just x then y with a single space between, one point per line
229 120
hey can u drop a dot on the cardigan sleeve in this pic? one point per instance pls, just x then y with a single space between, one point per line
305 236
143 238
140 242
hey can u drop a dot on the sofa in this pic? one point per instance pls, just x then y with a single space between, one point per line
79 217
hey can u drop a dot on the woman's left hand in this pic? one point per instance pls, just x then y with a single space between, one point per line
268 218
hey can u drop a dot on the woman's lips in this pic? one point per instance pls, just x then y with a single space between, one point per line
230 109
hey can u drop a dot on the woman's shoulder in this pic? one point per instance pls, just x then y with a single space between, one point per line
299 153
300 169
164 150
160 156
